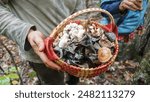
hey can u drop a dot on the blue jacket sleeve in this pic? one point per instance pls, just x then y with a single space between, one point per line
111 6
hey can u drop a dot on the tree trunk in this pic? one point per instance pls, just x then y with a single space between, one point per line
144 41
142 76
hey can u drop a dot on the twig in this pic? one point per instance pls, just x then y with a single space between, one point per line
21 81
87 3
2 70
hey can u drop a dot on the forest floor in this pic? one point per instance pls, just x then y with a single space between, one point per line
124 71
121 72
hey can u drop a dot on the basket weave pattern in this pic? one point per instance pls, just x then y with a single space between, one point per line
74 70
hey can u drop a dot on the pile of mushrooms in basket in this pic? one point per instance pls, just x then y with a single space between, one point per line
84 45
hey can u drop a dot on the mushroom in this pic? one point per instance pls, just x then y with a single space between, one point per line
104 54
64 41
106 43
111 36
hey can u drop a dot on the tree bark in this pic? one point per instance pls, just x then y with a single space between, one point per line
144 41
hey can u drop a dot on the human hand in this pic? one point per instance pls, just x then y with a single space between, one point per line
140 30
36 40
131 5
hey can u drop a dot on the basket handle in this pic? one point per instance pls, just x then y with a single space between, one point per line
111 25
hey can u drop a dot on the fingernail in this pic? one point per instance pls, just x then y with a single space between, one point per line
40 48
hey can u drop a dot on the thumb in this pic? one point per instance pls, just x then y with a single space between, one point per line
40 43
41 47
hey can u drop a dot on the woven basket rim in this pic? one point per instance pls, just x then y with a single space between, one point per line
82 68
74 70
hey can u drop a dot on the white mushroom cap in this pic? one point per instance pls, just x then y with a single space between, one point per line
72 30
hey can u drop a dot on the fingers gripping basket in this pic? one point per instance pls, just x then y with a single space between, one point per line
74 70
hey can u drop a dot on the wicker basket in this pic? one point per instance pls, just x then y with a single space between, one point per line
74 70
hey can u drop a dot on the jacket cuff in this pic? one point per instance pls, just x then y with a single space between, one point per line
27 45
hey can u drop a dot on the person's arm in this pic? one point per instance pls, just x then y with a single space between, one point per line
23 34
14 28
119 6
111 6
